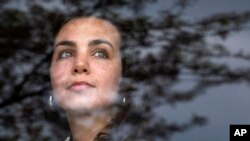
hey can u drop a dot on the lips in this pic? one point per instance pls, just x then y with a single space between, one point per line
80 86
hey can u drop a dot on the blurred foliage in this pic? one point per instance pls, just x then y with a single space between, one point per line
159 52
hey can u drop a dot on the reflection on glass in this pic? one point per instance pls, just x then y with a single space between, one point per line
174 69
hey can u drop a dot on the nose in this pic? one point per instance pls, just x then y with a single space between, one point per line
81 65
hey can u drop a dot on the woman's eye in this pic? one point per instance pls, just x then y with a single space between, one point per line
101 54
65 54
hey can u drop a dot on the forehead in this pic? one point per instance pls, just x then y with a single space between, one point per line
88 27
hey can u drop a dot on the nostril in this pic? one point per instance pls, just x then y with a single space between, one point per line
84 70
80 70
76 71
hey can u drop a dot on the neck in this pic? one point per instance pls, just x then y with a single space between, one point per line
86 126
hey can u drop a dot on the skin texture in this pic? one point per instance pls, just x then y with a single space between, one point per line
85 74
79 57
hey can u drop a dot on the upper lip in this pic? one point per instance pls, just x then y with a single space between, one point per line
76 83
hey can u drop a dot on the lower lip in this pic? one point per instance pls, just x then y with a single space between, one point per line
79 88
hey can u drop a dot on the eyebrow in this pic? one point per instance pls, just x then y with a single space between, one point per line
100 41
66 43
91 43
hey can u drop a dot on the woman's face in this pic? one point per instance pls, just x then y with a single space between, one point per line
86 65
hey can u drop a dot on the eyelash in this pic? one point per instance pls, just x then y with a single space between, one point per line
60 56
105 53
66 53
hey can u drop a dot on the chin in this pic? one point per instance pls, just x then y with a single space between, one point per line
80 109
83 106
85 102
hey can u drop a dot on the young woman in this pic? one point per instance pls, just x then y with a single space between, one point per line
85 74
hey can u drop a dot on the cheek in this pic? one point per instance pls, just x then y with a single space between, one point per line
109 76
58 74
